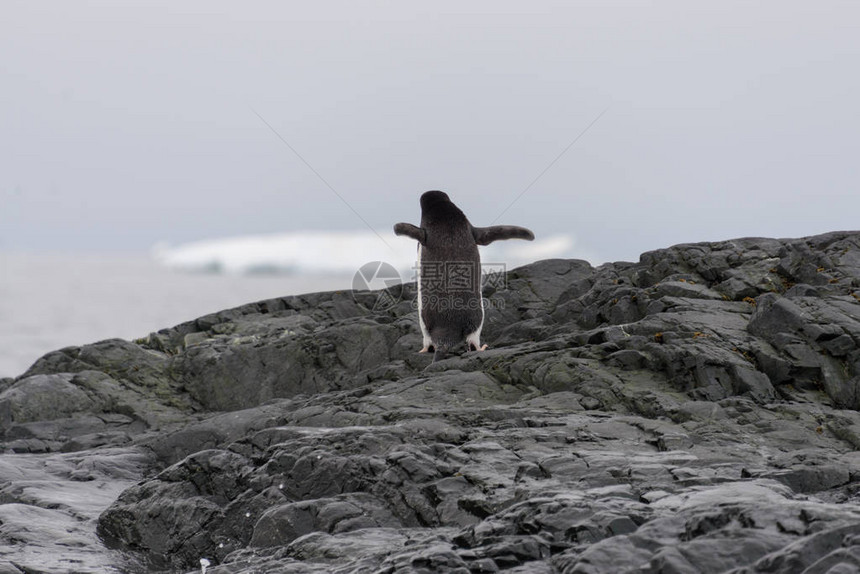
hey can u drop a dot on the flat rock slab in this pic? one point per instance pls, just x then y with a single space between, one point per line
51 504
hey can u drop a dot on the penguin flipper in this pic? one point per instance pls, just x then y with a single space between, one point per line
409 230
486 235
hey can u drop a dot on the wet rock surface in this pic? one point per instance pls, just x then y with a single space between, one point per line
692 412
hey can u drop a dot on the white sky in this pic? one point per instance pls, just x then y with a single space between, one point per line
122 125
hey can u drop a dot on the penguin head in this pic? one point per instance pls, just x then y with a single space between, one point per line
433 198
437 208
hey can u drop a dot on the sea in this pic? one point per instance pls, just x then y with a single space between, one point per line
53 300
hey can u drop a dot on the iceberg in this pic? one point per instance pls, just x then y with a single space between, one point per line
332 252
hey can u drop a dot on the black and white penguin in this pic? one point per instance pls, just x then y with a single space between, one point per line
450 306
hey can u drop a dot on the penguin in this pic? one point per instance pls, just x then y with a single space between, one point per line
450 306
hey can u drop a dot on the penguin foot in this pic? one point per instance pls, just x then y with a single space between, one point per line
428 349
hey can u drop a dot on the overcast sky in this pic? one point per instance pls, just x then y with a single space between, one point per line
122 125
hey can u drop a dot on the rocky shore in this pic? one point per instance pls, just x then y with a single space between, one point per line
696 411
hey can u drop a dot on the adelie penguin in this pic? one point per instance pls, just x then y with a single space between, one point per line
450 307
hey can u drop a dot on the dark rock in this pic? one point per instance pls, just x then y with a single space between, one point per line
74 411
280 525
696 411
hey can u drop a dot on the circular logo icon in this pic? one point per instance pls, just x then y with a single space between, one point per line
378 275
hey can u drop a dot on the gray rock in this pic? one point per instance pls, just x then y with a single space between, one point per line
49 504
280 525
692 412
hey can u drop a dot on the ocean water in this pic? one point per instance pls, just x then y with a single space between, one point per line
51 301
